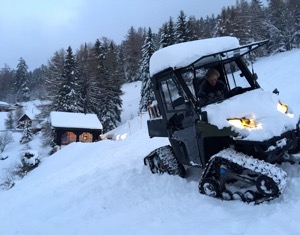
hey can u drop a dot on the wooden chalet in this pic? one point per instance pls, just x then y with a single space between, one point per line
75 127
22 120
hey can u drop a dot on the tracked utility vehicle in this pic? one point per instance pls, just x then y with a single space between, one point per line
236 140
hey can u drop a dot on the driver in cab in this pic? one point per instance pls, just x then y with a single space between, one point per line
211 89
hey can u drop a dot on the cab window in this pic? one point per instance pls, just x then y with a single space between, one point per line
171 95
235 76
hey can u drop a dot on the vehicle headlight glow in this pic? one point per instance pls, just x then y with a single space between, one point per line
283 108
244 123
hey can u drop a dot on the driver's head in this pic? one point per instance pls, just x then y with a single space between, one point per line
212 76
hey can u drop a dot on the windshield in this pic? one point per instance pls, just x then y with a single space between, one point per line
235 76
217 81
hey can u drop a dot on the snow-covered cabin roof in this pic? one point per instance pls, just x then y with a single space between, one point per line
4 104
24 117
75 120
184 54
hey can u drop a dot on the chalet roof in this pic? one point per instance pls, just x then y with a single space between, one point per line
75 120
25 116
4 104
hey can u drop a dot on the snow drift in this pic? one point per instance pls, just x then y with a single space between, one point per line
103 187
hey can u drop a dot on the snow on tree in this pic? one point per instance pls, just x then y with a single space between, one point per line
167 37
54 80
9 121
182 31
26 134
132 53
96 90
194 27
21 81
107 79
113 82
147 94
274 26
242 21
164 38
5 138
7 90
83 61
69 99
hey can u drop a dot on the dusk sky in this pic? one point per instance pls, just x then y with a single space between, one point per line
35 29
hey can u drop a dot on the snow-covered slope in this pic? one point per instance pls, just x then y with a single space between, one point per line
103 187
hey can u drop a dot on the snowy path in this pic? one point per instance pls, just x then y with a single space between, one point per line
103 188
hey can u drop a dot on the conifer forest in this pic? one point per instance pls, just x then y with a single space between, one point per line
88 79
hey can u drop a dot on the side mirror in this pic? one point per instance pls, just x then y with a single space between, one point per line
255 77
203 116
276 91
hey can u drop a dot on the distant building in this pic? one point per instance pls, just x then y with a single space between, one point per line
75 127
22 120
34 124
5 107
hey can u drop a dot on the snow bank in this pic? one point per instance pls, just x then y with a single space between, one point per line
183 54
258 105
104 188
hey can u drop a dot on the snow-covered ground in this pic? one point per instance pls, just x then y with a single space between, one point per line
104 188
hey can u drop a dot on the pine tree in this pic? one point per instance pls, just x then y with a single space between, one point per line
258 21
275 26
258 27
171 32
69 99
83 61
182 31
168 36
54 79
7 90
164 39
147 94
96 90
21 81
9 121
112 103
132 53
242 22
27 134
292 24
194 28
225 22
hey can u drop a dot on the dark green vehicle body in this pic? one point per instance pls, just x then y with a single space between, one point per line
184 122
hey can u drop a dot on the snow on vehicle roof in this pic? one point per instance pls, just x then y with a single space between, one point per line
75 120
183 54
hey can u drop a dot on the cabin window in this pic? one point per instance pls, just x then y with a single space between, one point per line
68 137
86 137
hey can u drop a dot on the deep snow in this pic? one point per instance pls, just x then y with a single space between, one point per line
183 54
258 105
103 187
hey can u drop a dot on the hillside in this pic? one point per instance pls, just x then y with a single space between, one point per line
104 188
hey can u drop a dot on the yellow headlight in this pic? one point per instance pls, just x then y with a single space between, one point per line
242 122
281 107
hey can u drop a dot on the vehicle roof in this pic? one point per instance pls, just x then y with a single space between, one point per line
183 54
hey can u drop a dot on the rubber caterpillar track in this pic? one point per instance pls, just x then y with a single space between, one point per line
232 175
